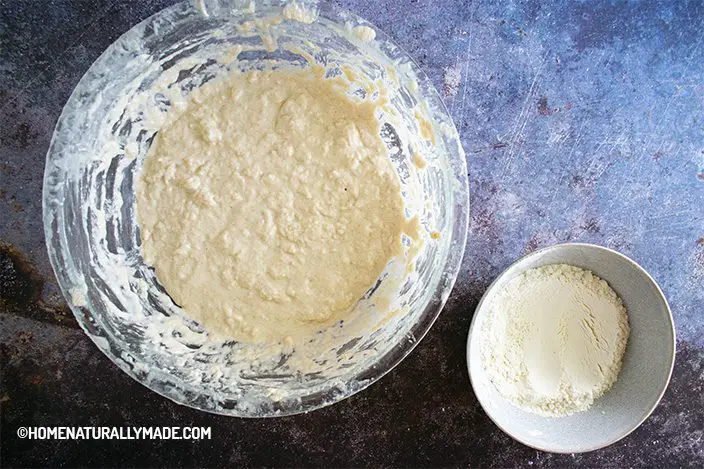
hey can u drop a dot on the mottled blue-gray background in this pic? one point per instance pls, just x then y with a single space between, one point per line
582 121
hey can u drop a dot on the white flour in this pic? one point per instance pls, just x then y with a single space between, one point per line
554 339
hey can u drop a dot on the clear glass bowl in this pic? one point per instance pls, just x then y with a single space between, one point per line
96 154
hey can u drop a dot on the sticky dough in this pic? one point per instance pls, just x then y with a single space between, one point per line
268 205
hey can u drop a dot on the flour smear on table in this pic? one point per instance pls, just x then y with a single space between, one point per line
554 339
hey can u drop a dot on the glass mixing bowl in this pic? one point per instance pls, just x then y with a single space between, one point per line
97 151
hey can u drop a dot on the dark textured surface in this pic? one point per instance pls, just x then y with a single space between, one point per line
582 121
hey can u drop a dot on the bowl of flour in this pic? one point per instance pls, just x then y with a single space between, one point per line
571 348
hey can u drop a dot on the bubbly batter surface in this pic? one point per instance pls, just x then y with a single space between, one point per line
268 206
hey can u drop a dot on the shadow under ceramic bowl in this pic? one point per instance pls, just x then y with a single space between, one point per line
647 362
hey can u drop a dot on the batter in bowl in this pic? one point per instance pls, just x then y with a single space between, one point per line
268 205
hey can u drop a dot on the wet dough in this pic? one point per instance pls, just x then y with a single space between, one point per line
268 205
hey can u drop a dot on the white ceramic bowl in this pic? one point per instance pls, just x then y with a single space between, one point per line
647 363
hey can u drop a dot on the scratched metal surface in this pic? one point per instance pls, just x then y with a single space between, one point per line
582 121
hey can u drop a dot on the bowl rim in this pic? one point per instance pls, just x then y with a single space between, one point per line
459 226
472 335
